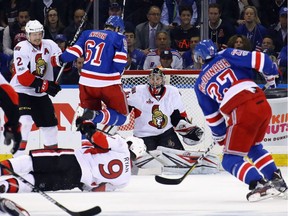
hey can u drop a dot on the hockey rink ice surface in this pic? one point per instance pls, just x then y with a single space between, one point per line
205 195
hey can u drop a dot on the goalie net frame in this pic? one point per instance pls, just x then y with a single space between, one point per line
184 80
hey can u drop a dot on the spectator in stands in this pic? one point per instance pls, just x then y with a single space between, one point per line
269 10
268 47
188 61
40 8
170 14
239 42
70 30
165 60
16 33
252 28
130 64
282 62
71 76
180 35
61 40
219 30
116 9
279 31
136 11
52 24
136 55
146 32
163 43
12 7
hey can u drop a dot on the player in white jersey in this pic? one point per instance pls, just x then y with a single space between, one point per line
9 103
158 108
104 165
33 80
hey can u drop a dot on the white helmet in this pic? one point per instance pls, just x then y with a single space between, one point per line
136 145
33 26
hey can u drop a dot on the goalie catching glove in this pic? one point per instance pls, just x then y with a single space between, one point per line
192 135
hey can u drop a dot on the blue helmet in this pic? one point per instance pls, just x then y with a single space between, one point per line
205 49
116 22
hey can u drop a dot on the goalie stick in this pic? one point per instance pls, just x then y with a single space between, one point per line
168 181
89 212
75 38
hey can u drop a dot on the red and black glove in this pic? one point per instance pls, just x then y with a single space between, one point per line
12 133
86 127
50 87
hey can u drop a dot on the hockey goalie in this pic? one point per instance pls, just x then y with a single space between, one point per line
161 121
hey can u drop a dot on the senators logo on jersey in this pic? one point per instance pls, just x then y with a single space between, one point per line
159 120
41 66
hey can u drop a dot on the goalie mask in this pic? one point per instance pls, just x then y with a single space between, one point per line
156 80
136 146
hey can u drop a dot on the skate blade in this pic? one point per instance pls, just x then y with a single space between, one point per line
272 192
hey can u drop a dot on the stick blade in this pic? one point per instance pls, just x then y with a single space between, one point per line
89 212
168 181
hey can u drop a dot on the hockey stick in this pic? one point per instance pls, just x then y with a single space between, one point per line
75 38
168 181
89 212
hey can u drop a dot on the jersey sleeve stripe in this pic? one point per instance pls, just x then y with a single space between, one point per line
26 78
258 60
75 50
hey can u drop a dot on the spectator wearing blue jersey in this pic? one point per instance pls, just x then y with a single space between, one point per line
137 55
282 62
105 56
188 61
238 114
252 28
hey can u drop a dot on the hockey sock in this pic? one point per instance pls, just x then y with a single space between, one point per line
263 160
110 117
241 169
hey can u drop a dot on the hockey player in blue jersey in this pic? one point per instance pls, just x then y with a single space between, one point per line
238 114
105 54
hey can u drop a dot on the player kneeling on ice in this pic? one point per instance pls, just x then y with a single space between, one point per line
159 115
103 165
225 88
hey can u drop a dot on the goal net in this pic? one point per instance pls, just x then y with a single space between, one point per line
184 80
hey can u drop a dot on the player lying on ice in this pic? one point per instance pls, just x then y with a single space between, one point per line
238 114
103 165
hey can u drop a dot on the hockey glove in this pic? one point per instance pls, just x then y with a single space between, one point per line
56 60
270 82
12 133
86 127
50 87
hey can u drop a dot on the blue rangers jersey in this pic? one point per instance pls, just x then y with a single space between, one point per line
105 54
221 78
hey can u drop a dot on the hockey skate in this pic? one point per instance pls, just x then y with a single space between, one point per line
10 207
261 190
279 183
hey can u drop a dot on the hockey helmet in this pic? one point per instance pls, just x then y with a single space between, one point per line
116 22
33 26
136 146
206 49
156 80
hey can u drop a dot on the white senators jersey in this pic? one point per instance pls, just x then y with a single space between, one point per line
152 115
111 167
29 59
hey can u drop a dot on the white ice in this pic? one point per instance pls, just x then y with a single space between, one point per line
205 195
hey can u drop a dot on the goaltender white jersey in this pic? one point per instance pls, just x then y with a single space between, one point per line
152 115
111 168
29 59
